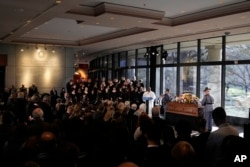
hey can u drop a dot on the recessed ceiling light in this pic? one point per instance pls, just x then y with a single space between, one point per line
97 23
58 1
112 18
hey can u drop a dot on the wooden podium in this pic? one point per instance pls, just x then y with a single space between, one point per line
189 111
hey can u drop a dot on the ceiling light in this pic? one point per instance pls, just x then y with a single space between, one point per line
153 51
58 1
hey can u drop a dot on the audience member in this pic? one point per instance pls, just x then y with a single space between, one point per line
183 155
112 131
233 149
213 152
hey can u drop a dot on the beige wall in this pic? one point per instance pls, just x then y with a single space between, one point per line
45 68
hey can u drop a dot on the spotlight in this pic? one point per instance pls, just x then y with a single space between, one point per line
164 55
153 51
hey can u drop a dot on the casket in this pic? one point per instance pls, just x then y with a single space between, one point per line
189 109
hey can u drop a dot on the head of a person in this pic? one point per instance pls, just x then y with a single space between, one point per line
167 90
183 153
47 141
38 114
133 106
128 164
206 90
156 111
219 115
148 89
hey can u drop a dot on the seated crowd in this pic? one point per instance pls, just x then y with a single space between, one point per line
104 123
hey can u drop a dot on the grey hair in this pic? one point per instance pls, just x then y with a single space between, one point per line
37 113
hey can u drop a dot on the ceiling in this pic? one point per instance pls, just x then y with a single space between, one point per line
97 28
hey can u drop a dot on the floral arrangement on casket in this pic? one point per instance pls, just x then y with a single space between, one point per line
187 98
185 104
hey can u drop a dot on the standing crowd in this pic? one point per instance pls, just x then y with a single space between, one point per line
106 123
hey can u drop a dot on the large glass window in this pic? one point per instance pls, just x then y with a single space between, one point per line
211 49
169 54
188 79
237 88
188 52
141 58
141 75
158 55
109 61
157 84
109 75
130 73
169 80
131 58
115 63
210 76
238 49
123 61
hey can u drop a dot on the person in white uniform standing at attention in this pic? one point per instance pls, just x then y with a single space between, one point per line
149 97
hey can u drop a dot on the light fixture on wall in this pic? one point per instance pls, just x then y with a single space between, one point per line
151 51
164 55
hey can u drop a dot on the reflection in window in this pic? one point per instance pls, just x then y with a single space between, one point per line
188 79
237 88
210 76
188 52
211 49
169 79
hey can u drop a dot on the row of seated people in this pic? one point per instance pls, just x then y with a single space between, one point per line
109 134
